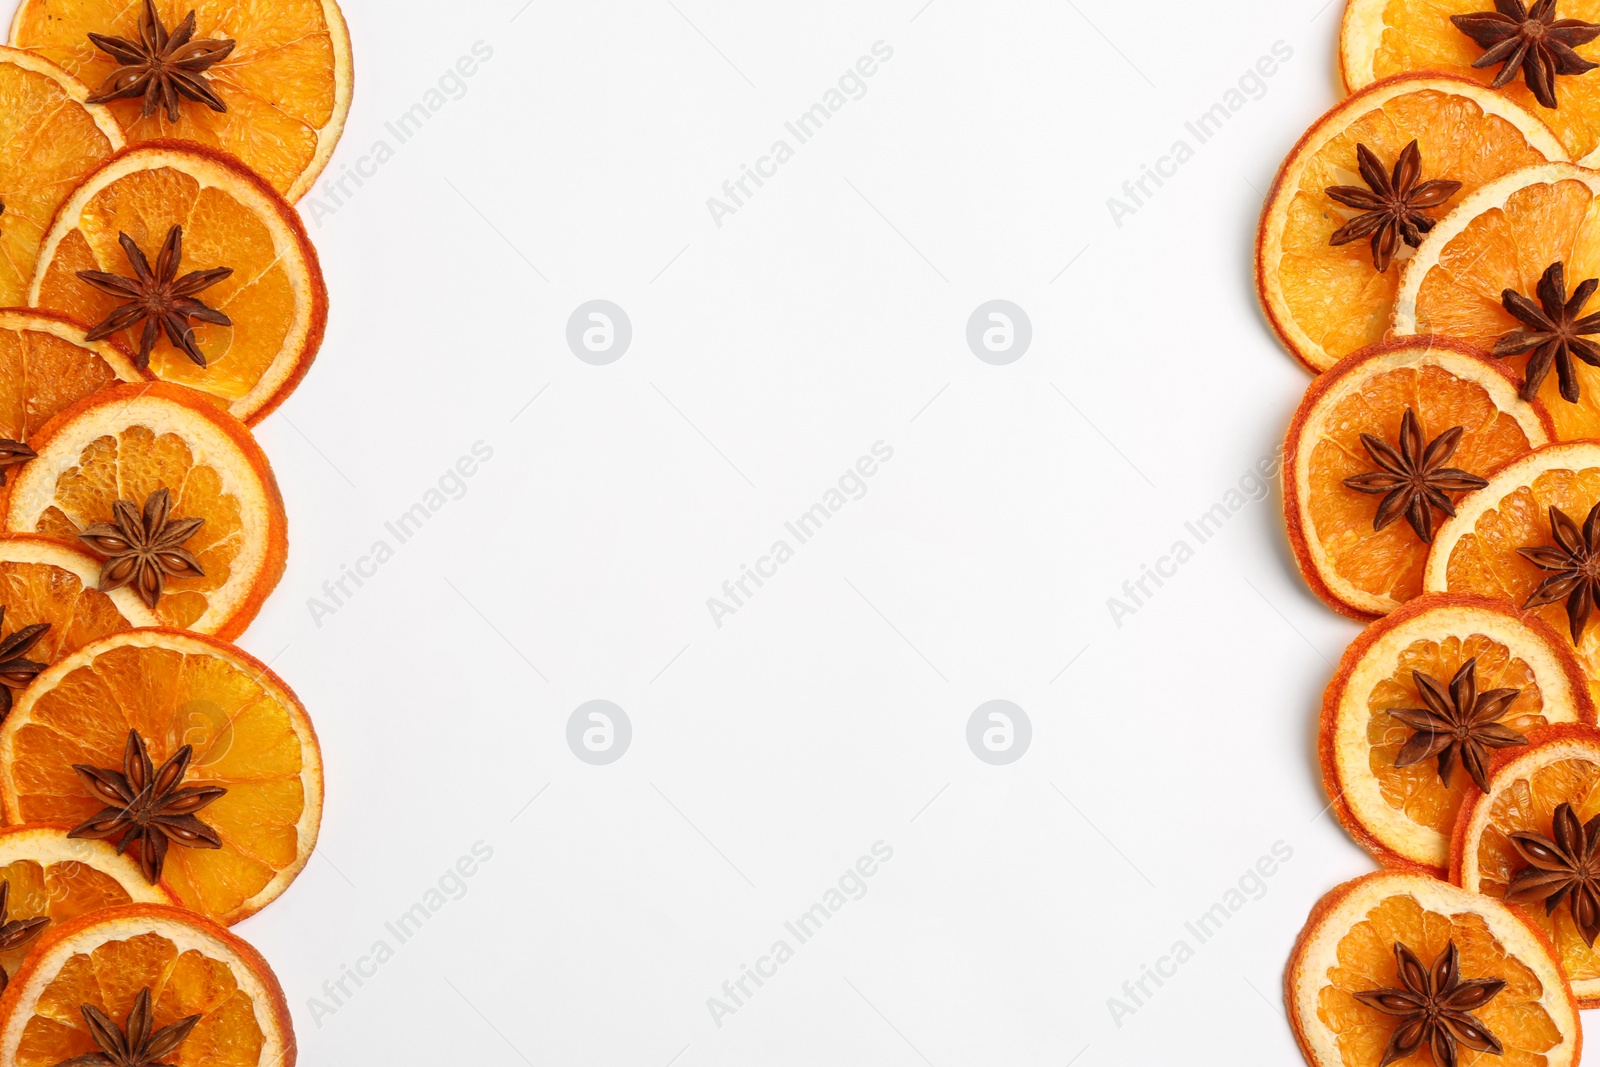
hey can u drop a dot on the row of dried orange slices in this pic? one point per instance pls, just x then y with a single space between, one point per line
158 295
1427 251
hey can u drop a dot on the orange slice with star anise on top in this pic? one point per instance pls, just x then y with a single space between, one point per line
1382 38
1395 964
268 83
149 984
1381 447
194 265
1359 190
127 472
190 756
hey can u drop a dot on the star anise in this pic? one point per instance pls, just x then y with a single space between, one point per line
142 550
1566 868
1534 41
138 1045
1554 332
12 453
1414 477
159 298
1392 207
147 807
16 672
161 67
1574 561
16 933
1458 722
1435 1007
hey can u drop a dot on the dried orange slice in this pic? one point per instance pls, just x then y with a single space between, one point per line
1348 948
131 441
57 877
189 966
1476 552
1404 815
286 83
275 297
1356 569
1505 236
1562 767
1380 38
1324 300
248 732
47 365
42 580
52 138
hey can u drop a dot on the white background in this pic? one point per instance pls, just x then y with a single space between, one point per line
1169 754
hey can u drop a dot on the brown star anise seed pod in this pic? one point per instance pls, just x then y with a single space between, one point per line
16 672
138 1045
161 67
1555 333
147 807
159 299
1414 478
1535 42
142 550
1392 206
1574 561
1458 723
1562 867
1435 1007
13 453
16 933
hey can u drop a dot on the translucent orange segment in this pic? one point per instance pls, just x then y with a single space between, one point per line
131 466
1366 961
1418 35
77 614
110 978
244 740
61 891
42 375
1390 562
1333 292
218 231
1416 790
1486 561
1510 248
51 142
279 83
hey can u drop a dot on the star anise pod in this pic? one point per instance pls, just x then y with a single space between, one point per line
1414 477
1554 332
1563 867
147 806
138 1045
1533 41
16 672
16 933
161 67
13 453
1392 207
1435 1008
160 299
1574 561
1458 723
142 550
